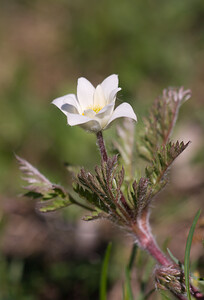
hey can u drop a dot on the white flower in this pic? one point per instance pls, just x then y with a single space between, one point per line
93 108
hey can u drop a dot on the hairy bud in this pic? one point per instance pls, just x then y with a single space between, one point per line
170 278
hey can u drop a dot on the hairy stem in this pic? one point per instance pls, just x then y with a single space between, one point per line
101 145
147 242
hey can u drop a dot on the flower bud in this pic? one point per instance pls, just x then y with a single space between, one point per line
170 278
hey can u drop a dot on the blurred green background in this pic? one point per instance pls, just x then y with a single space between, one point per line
45 47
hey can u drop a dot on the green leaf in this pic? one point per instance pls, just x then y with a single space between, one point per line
95 216
160 122
157 171
174 258
53 204
128 295
33 195
103 280
104 189
187 254
52 196
90 196
132 256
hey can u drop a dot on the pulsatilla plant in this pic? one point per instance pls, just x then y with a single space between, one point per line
115 191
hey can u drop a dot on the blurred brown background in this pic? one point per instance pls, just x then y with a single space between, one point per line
45 47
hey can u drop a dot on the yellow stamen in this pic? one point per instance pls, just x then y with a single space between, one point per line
96 109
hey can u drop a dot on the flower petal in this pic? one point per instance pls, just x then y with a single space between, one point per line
112 95
105 110
85 92
76 119
99 98
123 110
89 113
91 126
65 102
84 122
109 84
104 115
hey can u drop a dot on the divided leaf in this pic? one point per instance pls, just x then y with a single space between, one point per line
161 121
38 183
103 190
140 195
95 216
53 204
142 192
162 160
52 196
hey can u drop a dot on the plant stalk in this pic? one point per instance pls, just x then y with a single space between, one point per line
147 242
195 293
101 146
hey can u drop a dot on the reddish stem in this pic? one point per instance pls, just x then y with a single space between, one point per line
148 243
195 293
101 145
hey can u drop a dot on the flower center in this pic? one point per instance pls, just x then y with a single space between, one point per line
96 108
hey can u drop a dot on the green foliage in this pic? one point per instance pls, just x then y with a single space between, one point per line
103 190
104 273
177 262
132 256
52 196
139 196
144 292
161 161
128 294
159 124
187 254
53 204
127 290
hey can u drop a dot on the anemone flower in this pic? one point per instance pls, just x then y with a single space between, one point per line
93 108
